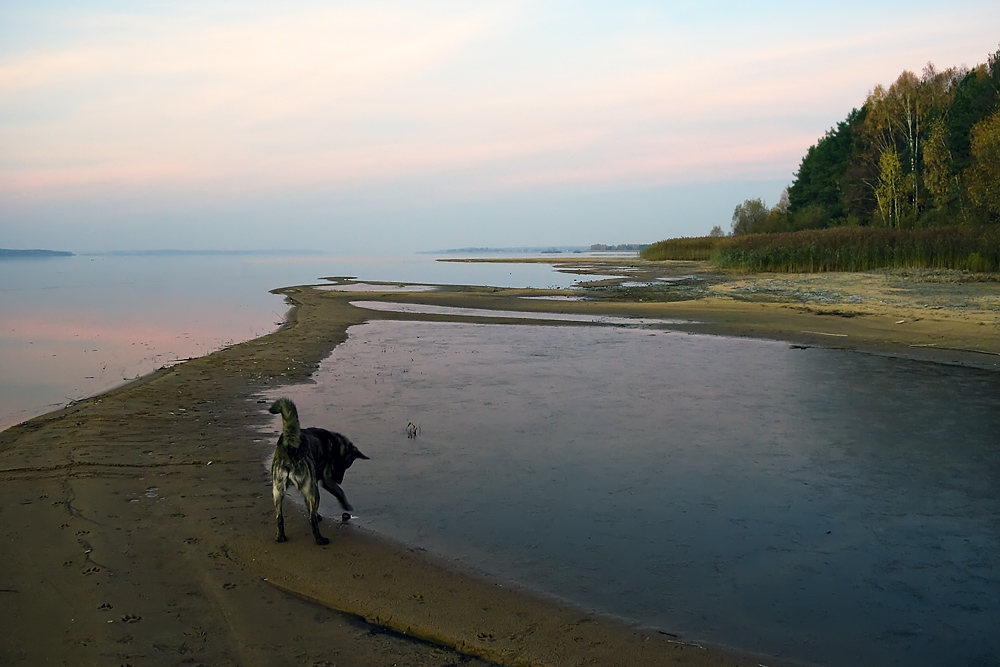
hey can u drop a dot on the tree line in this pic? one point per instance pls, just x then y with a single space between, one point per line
922 152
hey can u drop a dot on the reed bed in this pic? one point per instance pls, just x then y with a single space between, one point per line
843 249
698 248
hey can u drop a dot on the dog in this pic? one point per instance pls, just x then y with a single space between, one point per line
306 458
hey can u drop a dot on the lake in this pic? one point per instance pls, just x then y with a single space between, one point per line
73 327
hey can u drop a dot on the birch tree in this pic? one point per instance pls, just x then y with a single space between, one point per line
889 191
899 120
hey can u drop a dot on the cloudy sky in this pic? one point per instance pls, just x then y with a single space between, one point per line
380 126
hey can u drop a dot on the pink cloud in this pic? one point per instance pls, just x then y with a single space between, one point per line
346 98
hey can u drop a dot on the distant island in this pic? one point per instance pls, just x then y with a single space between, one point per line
546 250
182 252
621 247
521 250
10 253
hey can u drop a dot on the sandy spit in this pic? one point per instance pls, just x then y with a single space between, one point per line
138 524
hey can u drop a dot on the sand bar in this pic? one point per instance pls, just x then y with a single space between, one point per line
138 525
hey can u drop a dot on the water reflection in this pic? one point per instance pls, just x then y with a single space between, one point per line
815 505
76 326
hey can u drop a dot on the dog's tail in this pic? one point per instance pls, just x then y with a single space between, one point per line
289 421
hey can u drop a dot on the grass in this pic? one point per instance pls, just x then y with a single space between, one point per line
842 249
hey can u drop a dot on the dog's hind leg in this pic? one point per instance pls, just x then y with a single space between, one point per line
338 493
311 493
278 490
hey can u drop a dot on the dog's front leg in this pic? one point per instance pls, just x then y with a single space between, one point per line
338 493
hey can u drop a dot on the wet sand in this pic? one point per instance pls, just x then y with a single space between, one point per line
138 525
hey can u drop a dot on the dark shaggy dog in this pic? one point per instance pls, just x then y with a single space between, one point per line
307 457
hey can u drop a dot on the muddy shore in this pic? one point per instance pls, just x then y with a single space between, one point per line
138 524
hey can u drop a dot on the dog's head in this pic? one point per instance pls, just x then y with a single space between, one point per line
348 455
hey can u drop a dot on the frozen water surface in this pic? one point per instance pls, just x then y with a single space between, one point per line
822 506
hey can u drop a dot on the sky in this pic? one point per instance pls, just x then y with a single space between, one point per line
382 126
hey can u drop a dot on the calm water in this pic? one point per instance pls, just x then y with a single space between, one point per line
76 326
821 506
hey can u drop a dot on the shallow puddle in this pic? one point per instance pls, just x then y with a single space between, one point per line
816 505
375 287
553 297
428 309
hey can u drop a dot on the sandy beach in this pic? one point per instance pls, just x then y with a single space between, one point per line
139 529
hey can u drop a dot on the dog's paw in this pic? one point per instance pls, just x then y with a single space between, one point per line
281 538
322 541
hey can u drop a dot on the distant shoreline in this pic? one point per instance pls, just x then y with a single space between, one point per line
521 250
168 252
10 253
179 252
